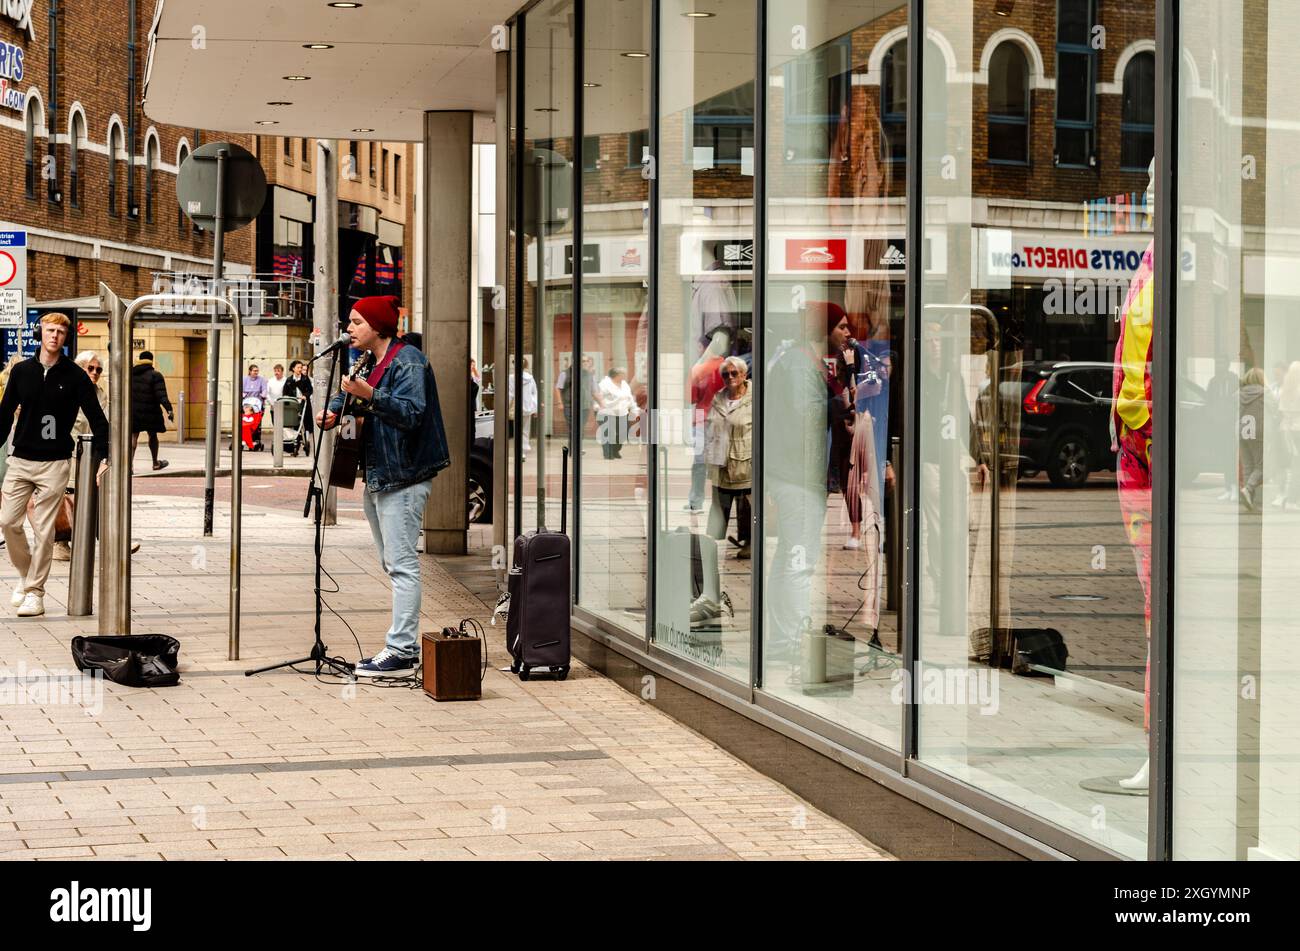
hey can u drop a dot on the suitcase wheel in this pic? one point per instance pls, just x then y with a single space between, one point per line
525 672
562 672
514 667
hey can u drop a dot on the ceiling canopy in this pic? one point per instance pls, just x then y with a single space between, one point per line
386 62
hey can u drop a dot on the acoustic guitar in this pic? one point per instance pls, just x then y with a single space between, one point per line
347 444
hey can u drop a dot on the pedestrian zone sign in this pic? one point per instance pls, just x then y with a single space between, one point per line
13 278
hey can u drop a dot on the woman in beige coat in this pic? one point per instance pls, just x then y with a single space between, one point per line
728 451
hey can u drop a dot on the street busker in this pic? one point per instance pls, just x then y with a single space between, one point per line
403 446
40 403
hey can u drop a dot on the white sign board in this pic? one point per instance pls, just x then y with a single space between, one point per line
13 278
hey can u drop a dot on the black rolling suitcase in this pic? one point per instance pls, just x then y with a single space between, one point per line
537 624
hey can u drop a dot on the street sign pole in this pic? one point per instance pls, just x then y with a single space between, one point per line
211 441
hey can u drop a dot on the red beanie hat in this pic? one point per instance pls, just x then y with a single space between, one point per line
822 317
380 313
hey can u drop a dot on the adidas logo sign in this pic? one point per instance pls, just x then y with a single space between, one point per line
893 257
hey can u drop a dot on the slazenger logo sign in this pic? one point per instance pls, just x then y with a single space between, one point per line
77 904
20 11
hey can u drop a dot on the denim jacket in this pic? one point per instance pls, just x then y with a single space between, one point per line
403 439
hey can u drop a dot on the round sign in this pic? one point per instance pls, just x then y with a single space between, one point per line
8 268
82 329
244 186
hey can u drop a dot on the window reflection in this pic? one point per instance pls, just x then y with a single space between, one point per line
705 306
606 390
837 257
1035 439
1236 782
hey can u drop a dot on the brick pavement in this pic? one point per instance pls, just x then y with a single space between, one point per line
286 766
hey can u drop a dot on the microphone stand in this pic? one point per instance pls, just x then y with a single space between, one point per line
316 494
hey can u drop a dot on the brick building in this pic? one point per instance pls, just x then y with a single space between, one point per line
93 181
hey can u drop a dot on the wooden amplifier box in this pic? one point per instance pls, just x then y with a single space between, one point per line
453 666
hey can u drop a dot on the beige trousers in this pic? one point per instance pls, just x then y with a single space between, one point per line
47 482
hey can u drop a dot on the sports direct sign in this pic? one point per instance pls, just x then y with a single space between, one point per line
11 74
1007 256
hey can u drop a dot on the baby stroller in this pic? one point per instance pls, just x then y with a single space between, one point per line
293 425
250 428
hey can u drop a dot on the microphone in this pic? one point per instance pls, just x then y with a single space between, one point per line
342 343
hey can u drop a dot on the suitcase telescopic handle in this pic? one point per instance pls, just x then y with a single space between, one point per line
564 491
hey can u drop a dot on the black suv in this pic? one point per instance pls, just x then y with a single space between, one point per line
1065 411
1064 418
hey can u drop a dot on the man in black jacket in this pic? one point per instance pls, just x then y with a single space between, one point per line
148 400
45 391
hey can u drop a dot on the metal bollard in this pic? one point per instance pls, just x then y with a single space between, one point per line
277 444
81 577
180 418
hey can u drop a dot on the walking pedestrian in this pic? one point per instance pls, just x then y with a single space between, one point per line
45 392
275 385
614 407
148 400
1256 406
728 450
581 404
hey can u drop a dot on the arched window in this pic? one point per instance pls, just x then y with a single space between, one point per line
1009 105
150 166
114 150
893 102
76 132
31 117
181 156
1138 119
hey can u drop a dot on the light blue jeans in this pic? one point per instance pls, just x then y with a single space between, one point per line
395 519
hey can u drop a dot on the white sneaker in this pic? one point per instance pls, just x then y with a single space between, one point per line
853 544
20 593
704 608
62 551
33 605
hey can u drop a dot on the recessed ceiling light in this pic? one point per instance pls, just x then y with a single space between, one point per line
280 103
318 46
343 6
296 79
698 15
636 55
363 130
267 122
592 85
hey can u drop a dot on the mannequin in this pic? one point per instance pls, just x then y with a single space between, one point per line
1132 439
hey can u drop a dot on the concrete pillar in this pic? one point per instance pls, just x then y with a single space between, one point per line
447 187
